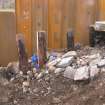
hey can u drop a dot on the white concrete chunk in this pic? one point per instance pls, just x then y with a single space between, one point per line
94 71
54 62
65 62
70 54
82 73
58 70
69 73
94 56
94 62
101 63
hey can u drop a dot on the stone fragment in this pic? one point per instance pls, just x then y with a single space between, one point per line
54 62
15 102
81 62
12 70
101 63
40 75
82 73
65 62
26 83
70 54
21 73
94 71
30 74
25 86
69 72
94 56
36 90
94 62
52 68
58 70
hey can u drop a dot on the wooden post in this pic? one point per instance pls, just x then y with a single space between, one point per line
41 48
70 40
23 58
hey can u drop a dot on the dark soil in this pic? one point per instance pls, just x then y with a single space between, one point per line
54 90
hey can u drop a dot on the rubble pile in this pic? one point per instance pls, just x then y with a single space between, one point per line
84 64
55 83
79 65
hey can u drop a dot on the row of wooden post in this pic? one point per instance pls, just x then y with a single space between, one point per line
41 49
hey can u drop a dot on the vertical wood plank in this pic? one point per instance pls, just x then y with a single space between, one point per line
39 18
8 48
55 23
24 21
68 19
101 4
85 16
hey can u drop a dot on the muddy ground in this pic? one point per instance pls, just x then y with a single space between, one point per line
56 91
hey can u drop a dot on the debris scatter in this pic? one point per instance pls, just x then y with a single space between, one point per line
70 78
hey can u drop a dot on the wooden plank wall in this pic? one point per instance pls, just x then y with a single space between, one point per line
8 48
24 21
39 18
57 17
85 16
54 16
68 20
61 19
101 10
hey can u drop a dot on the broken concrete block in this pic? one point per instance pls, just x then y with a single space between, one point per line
58 70
82 62
54 62
70 54
82 73
94 62
94 71
94 56
101 63
69 72
65 62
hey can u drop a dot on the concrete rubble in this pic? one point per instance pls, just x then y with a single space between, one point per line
82 73
65 62
70 54
60 74
75 65
69 72
78 67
